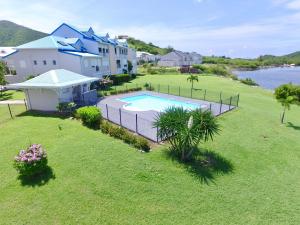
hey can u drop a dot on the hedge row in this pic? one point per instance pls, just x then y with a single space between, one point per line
120 78
122 134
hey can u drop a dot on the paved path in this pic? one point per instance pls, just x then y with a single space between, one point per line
12 102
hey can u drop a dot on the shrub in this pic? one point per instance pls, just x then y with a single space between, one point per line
120 78
90 116
115 92
122 134
104 127
66 107
142 143
32 161
234 77
249 81
117 132
129 138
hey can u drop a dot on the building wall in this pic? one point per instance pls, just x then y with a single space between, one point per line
132 57
42 99
23 62
91 46
170 59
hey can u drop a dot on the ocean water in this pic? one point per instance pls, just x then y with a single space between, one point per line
272 77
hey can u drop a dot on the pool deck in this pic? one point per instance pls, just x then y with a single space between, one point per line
113 101
141 122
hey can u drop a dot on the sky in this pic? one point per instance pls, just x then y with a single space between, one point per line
234 28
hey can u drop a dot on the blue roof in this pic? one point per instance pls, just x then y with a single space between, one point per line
50 42
92 36
55 79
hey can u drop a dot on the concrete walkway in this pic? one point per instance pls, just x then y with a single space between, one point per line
12 102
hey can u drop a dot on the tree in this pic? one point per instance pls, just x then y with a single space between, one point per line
192 78
287 94
186 129
2 73
130 66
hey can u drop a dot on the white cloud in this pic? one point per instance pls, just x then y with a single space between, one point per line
289 4
295 4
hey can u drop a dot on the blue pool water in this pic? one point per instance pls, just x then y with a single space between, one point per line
147 102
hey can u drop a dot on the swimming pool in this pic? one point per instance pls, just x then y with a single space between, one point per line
146 102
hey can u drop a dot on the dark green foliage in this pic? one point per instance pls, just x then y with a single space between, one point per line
213 69
130 66
12 34
252 64
192 78
186 129
122 134
2 73
144 47
234 77
120 91
249 81
90 116
287 94
120 78
66 107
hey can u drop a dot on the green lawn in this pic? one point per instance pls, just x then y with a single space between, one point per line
100 180
12 95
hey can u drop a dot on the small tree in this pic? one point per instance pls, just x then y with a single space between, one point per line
130 66
287 94
193 78
186 129
2 73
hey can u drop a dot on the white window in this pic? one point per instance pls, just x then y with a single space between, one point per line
22 64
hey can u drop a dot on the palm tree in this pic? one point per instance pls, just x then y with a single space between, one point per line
186 129
287 94
286 103
192 78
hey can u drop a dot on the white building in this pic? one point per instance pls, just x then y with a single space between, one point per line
46 91
147 57
77 50
178 58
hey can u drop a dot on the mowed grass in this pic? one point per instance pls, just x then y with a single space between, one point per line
11 95
100 180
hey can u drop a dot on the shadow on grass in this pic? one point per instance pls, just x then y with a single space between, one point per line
39 179
34 113
291 125
205 165
5 96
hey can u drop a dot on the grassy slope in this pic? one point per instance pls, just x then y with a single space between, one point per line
147 47
101 180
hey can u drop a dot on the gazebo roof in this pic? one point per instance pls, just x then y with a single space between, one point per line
55 79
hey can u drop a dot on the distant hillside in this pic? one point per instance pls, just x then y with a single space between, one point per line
151 48
293 58
12 34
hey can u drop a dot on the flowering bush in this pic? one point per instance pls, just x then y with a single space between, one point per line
31 161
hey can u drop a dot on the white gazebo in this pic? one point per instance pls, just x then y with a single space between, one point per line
47 90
